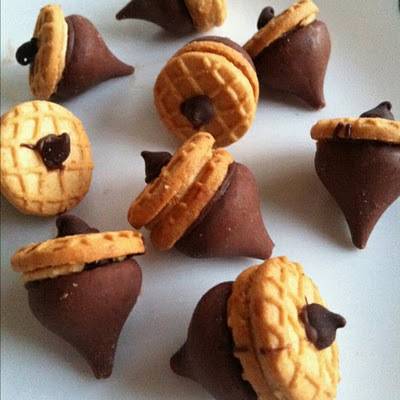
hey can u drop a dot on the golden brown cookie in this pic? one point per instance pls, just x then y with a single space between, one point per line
51 31
173 181
185 212
65 255
220 74
379 129
239 322
292 366
206 13
301 13
26 181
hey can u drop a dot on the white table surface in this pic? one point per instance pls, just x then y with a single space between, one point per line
301 217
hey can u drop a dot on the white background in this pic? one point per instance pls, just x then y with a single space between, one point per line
302 219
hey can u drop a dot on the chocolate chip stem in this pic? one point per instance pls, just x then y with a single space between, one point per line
27 52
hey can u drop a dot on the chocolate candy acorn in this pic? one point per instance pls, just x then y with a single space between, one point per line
177 16
358 161
67 56
291 51
265 336
209 85
82 285
202 202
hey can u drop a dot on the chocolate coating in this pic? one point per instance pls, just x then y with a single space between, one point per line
363 177
296 63
68 225
382 110
321 325
199 110
26 52
88 59
88 309
227 42
231 224
53 149
207 356
172 15
265 16
154 162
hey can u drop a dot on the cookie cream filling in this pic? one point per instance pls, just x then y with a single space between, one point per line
67 269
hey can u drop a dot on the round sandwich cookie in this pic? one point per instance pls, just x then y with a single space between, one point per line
46 161
266 336
82 285
177 16
358 161
209 85
67 56
202 202
291 51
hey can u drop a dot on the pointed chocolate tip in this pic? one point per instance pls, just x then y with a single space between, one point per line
172 15
177 362
359 237
382 110
154 162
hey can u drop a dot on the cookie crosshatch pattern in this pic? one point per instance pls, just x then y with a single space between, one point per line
25 180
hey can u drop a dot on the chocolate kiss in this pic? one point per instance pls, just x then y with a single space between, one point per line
172 15
207 356
231 224
68 225
88 309
154 162
297 62
363 177
88 59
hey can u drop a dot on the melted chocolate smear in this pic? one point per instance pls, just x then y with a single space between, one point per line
342 131
154 162
382 110
69 225
26 53
199 110
266 15
321 325
54 150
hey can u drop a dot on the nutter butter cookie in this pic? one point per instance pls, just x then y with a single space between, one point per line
268 336
202 202
46 159
67 56
209 85
177 16
82 285
291 51
358 161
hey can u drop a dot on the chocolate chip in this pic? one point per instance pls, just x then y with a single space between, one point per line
321 325
68 225
199 110
266 15
27 52
54 150
154 162
382 110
